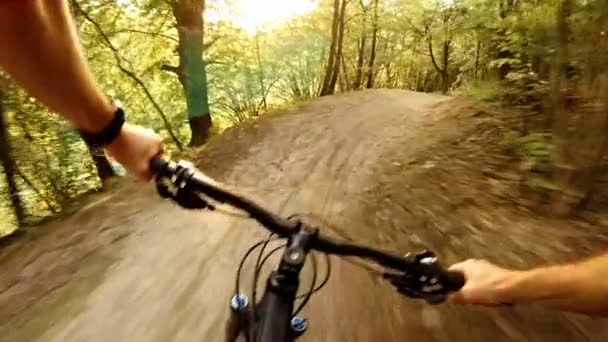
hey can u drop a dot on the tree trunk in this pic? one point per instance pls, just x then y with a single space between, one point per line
331 59
387 65
390 77
445 77
338 58
372 55
477 52
564 198
588 147
9 166
344 84
361 50
191 71
260 71
504 8
102 165
443 72
360 60
594 122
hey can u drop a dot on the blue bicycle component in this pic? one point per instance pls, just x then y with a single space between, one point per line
239 302
299 324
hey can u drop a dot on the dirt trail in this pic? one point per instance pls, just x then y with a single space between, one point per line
134 268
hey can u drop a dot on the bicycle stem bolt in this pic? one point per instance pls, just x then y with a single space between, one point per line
239 301
299 324
294 256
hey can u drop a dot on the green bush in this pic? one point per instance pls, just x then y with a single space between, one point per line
482 90
535 150
536 154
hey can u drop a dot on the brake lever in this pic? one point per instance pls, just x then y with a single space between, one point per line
183 196
409 286
426 279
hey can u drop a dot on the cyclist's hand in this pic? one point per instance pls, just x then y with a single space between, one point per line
484 283
134 148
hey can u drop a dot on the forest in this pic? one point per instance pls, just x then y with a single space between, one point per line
190 69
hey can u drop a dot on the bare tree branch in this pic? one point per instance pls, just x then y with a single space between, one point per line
44 198
430 41
170 68
155 34
129 73
416 29
213 61
210 43
354 16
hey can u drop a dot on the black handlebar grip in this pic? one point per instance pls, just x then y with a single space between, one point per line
453 280
158 165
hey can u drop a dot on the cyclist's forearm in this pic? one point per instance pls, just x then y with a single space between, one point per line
580 287
40 50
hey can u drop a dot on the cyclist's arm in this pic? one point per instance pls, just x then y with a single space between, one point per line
39 48
580 287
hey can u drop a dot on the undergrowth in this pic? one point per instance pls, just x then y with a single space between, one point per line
482 90
536 154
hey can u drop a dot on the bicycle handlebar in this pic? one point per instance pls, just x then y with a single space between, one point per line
210 188
413 267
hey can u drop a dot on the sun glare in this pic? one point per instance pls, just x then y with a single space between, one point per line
251 15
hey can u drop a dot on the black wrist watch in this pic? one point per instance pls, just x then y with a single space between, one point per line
109 133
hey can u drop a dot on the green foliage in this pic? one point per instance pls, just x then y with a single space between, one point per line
54 165
479 48
535 150
489 90
524 90
129 46
536 155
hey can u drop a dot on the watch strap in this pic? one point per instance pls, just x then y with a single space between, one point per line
109 133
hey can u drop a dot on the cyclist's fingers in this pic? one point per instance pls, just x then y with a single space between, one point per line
463 266
456 297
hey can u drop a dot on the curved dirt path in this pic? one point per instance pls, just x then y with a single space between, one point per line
134 268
